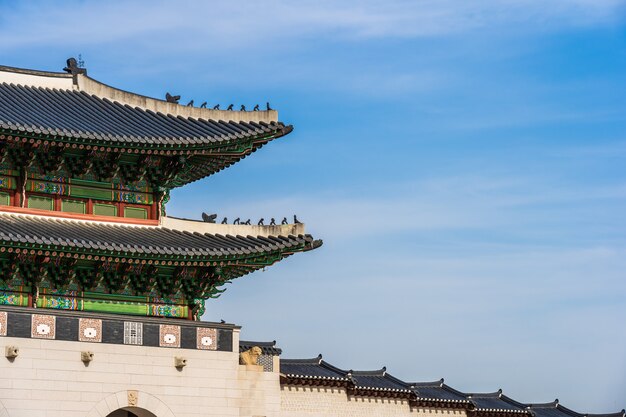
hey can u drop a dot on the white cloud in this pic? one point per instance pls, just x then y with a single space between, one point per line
222 25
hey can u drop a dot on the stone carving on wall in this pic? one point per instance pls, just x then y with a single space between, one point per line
86 356
180 362
11 352
133 397
250 356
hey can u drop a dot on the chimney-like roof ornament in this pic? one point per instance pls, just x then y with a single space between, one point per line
74 68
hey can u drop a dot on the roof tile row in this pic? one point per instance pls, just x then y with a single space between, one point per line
76 114
316 369
136 240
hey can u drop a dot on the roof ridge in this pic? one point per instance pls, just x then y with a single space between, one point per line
313 361
437 383
551 404
495 394
249 342
28 71
378 372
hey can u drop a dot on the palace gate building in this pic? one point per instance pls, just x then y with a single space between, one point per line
101 293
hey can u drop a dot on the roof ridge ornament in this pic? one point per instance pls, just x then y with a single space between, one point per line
75 67
171 99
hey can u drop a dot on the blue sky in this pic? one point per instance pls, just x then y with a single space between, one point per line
463 162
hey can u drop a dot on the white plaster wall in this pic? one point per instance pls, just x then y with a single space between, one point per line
299 401
60 82
48 379
91 86
232 229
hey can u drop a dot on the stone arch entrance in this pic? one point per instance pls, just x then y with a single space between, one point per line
130 403
131 412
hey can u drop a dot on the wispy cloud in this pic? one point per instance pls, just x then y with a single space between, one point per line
515 206
220 24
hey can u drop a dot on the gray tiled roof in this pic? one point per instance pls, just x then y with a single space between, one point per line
314 368
318 369
554 409
379 380
496 401
79 115
268 348
62 234
437 391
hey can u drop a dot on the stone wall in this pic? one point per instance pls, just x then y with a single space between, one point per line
297 401
49 379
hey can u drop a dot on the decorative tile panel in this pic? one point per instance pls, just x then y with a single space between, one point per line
133 333
206 338
43 326
109 329
90 330
267 362
169 336
3 323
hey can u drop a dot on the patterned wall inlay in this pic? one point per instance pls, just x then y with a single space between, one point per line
169 336
267 362
43 327
133 333
206 338
3 323
90 330
108 329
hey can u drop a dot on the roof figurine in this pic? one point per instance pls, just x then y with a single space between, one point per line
85 174
73 68
171 99
209 218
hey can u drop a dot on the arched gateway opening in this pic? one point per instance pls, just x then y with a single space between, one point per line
131 412
131 403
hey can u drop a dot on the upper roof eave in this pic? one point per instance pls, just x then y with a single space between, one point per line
32 233
91 86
